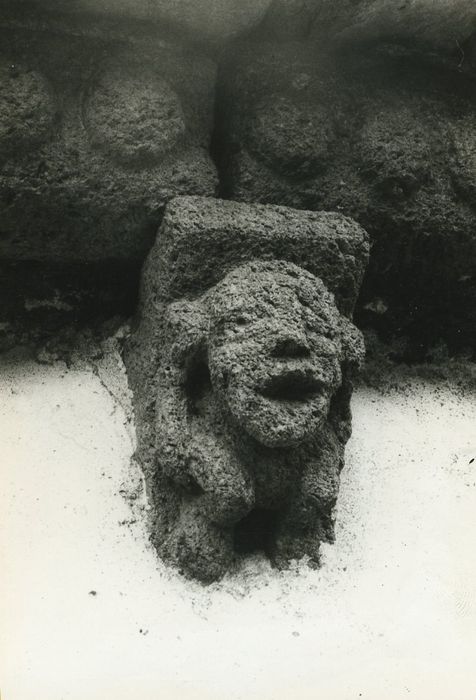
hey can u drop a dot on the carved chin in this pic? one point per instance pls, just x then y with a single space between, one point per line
280 422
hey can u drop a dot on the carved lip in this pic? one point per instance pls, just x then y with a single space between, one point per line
291 385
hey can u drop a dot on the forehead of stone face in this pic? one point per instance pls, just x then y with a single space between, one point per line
277 290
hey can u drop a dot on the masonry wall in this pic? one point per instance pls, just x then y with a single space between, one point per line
110 109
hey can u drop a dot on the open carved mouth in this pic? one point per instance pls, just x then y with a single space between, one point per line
291 386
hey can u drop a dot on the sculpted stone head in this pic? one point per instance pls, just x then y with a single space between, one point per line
275 342
242 368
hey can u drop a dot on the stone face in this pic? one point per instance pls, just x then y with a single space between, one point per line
385 137
98 130
241 367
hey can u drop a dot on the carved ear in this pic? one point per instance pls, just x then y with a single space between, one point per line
353 347
185 326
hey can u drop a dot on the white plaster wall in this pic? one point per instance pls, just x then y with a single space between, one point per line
392 614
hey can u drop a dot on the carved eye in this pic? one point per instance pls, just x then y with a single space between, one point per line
233 323
241 321
236 323
27 109
133 117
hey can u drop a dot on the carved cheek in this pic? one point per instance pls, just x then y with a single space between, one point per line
27 107
327 371
229 371
221 363
136 120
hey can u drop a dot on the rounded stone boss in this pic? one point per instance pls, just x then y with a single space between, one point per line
100 125
384 134
241 366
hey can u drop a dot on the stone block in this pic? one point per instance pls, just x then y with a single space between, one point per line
241 364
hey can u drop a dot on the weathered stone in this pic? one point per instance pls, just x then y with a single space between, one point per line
385 137
445 24
241 367
206 20
98 130
286 19
27 109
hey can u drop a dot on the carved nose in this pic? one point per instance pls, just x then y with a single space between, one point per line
291 347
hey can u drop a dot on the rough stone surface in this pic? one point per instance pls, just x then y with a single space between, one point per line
386 137
27 108
443 24
440 23
97 131
149 125
241 370
287 19
203 20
